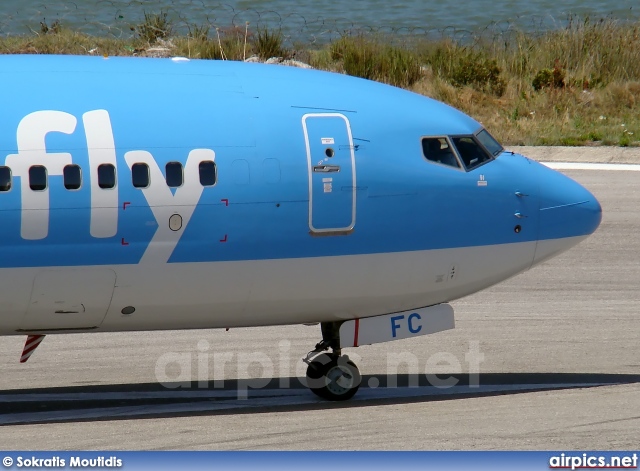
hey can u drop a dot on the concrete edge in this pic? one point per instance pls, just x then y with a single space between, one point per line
598 154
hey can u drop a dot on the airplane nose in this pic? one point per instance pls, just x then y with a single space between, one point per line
569 213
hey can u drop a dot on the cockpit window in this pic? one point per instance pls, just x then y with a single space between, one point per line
471 153
489 142
437 149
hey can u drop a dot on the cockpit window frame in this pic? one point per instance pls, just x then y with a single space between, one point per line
477 133
477 142
459 168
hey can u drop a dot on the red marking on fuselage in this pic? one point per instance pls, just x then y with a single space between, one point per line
124 242
225 201
356 331
225 238
125 204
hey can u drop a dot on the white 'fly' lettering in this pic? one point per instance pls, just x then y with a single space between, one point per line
31 144
164 203
31 134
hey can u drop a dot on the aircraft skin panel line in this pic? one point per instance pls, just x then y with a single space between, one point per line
255 195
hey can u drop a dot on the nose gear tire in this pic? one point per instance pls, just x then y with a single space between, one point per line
332 377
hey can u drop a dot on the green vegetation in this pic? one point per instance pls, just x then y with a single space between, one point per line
374 59
269 44
155 26
579 85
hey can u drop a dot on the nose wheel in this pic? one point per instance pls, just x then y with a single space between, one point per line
331 376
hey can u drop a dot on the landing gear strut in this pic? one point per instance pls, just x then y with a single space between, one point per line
331 375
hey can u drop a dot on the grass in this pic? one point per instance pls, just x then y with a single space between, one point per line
154 27
578 85
269 44
375 59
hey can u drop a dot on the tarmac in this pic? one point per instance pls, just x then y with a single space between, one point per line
590 154
547 360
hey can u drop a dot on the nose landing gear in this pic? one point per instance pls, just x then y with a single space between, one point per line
331 376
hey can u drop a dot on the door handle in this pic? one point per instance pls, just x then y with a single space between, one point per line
326 168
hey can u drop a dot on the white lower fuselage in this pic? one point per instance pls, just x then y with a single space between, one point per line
254 293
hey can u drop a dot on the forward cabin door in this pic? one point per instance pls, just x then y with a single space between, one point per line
332 173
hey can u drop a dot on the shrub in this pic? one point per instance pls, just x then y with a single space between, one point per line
549 78
198 32
55 28
373 60
479 72
268 44
462 66
155 26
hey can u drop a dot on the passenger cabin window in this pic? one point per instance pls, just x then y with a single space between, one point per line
72 177
5 178
174 174
106 176
38 178
471 153
140 175
489 143
208 175
438 150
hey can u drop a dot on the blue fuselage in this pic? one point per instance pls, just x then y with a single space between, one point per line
385 197
141 194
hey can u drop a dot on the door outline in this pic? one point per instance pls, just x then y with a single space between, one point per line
45 305
331 230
